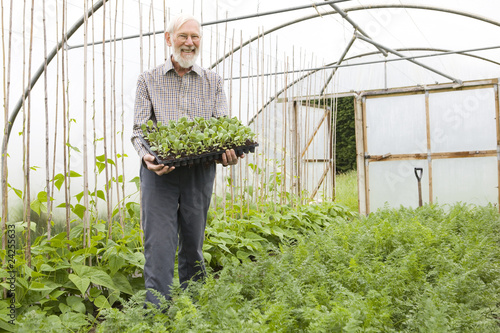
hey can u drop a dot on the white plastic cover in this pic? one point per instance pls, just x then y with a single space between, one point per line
463 120
396 125
471 180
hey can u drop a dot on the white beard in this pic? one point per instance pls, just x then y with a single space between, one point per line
189 59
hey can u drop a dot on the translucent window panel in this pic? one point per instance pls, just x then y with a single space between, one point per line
462 120
309 119
396 125
394 183
471 180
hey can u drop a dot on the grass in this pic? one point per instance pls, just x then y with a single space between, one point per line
347 190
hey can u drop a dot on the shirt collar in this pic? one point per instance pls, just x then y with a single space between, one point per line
168 66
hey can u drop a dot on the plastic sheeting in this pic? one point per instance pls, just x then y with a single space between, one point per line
458 156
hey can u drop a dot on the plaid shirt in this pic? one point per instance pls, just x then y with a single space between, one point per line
162 95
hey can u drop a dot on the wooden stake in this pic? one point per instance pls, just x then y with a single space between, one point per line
86 220
6 91
27 132
104 125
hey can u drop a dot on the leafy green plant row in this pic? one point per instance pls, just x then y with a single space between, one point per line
73 284
424 270
237 237
187 137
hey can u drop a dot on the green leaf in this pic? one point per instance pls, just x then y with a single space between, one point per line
94 292
79 196
46 268
74 321
63 205
137 182
82 283
102 278
122 283
102 302
19 193
54 295
102 159
42 196
64 308
79 210
7 327
242 254
59 180
207 256
36 206
115 263
100 195
72 147
95 275
74 174
100 166
76 303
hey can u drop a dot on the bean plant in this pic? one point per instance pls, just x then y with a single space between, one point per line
186 137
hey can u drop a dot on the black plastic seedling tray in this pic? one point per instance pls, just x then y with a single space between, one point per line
197 159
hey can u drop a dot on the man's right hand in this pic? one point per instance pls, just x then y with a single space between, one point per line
159 169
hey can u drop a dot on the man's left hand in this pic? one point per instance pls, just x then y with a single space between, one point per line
230 158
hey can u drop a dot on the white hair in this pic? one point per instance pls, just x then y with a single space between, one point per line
179 20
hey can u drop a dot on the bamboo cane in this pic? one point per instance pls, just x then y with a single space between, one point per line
94 117
86 220
68 118
285 129
258 98
27 147
56 111
104 126
224 172
6 91
248 117
256 92
65 121
231 170
240 166
154 38
46 104
275 112
165 15
123 110
140 38
264 123
114 124
24 120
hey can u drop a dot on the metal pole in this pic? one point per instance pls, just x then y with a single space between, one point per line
348 47
333 65
354 25
371 41
279 11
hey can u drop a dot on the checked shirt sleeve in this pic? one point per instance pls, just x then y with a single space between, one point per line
221 108
142 113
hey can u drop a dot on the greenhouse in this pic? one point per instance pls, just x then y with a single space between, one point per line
405 93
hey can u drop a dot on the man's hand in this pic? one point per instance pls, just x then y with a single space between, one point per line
230 158
159 169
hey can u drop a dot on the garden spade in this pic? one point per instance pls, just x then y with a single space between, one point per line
418 174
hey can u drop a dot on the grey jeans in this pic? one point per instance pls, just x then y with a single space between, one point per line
174 212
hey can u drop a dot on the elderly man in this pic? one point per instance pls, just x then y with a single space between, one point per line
175 201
